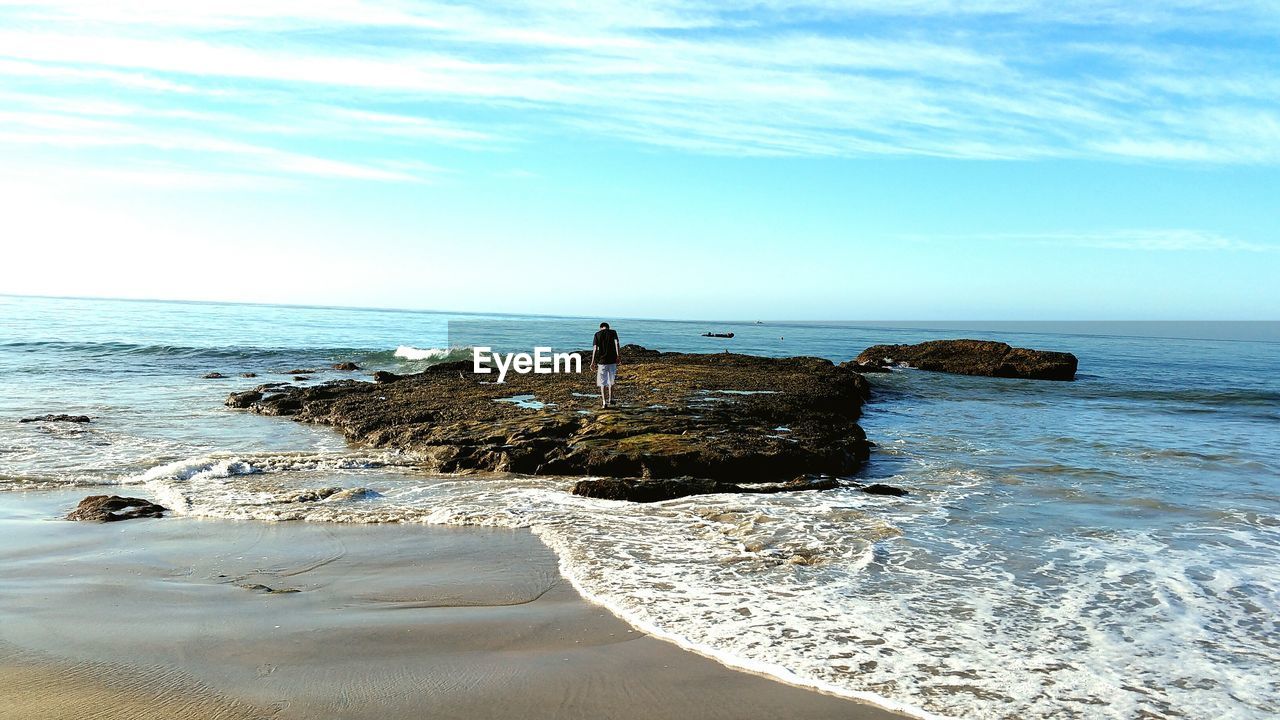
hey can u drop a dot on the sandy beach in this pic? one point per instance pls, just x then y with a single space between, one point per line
197 618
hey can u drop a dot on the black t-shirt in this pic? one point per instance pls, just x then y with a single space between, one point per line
606 346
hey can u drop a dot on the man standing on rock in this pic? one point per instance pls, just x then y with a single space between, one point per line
606 351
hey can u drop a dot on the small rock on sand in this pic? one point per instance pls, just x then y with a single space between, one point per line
109 508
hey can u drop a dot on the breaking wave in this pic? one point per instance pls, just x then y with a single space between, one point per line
408 352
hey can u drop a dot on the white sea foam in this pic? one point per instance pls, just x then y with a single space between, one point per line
408 352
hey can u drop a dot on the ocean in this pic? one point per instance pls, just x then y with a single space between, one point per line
1104 548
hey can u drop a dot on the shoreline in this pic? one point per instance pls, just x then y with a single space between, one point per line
190 617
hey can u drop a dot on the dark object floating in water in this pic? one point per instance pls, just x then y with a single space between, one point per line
248 375
109 508
719 335
213 376
975 357
57 418
346 366
300 371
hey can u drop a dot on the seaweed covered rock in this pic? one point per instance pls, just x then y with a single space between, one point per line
722 417
974 357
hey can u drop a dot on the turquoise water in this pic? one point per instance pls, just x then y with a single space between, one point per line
1101 548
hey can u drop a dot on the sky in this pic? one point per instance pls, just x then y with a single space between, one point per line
856 160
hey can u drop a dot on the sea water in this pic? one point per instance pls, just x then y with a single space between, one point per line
1100 548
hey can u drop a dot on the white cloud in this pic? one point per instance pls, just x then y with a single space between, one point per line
87 135
1141 239
861 78
1165 240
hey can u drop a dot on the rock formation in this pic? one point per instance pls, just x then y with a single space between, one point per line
974 357
109 508
717 418
57 418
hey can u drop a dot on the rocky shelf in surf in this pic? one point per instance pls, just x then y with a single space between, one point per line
728 419
973 357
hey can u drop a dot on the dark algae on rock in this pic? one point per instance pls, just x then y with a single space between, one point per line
701 421
975 357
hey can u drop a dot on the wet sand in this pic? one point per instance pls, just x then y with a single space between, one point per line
186 618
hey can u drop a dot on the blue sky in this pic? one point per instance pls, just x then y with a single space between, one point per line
924 159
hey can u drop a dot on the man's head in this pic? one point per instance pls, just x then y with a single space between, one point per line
604 326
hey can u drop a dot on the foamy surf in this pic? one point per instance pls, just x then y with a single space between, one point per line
408 352
873 599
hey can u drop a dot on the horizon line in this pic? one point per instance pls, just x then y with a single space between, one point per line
438 311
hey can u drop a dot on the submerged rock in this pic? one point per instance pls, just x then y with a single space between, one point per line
358 493
109 508
644 491
881 489
314 495
57 418
636 490
301 371
704 422
348 366
975 357
213 376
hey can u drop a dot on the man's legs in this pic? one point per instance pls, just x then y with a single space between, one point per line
604 378
600 378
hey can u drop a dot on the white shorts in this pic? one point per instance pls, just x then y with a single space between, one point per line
606 374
